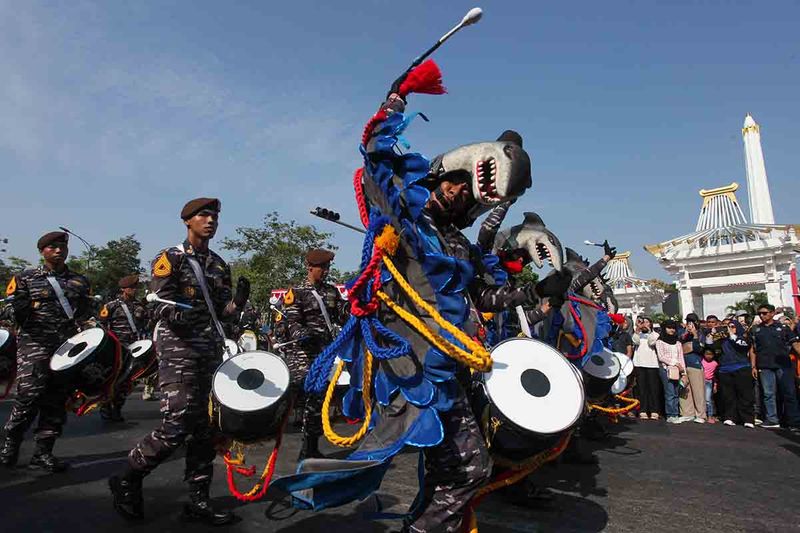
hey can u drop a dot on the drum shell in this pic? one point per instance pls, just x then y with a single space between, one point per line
512 442
8 356
136 368
92 374
596 389
250 426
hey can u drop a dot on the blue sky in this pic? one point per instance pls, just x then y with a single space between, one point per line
112 115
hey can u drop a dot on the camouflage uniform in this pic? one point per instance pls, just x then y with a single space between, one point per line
114 319
43 328
304 320
189 349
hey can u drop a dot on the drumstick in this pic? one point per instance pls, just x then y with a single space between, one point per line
287 343
153 297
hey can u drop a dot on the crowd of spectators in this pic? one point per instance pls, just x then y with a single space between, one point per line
740 370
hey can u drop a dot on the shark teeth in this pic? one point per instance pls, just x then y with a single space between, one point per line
486 170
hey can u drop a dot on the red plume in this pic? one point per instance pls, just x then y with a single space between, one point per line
617 318
425 79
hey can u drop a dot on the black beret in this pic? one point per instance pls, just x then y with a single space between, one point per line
318 256
193 207
511 136
129 281
50 238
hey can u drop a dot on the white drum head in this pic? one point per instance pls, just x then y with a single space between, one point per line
620 384
248 342
5 335
603 365
534 386
140 348
625 363
231 349
251 381
76 349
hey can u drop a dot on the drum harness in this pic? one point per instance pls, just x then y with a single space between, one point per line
236 464
87 404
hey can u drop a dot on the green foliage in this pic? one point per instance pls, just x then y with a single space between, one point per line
272 256
15 265
659 318
105 265
750 304
527 276
663 285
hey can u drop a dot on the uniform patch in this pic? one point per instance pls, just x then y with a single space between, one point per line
104 312
162 268
12 286
288 298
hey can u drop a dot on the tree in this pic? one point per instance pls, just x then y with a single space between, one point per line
750 304
272 256
105 265
14 266
663 285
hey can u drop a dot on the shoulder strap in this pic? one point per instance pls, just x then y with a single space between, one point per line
201 280
62 299
323 309
523 321
128 315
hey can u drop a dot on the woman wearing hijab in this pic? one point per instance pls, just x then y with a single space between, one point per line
672 368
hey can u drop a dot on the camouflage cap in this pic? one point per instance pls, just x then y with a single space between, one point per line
129 281
318 256
50 238
193 207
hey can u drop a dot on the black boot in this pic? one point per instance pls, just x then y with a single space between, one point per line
127 492
201 510
43 459
10 452
310 449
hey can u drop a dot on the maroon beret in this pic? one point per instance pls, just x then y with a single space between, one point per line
50 238
318 256
193 207
129 281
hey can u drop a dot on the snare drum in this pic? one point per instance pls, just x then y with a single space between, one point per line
626 369
600 371
533 395
250 396
8 356
142 362
248 341
86 361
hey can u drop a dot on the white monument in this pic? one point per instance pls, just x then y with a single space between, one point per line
726 257
635 296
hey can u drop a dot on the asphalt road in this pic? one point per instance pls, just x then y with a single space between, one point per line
650 477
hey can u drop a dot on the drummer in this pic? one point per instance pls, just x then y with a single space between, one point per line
49 303
189 346
313 310
125 317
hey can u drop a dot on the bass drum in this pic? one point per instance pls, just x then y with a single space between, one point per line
626 369
8 357
86 362
250 396
600 371
532 396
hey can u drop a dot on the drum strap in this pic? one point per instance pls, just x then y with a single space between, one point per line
324 311
201 280
62 299
129 316
523 322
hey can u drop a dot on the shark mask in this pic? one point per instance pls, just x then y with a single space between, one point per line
496 172
534 237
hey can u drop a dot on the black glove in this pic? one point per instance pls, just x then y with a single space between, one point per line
242 291
178 318
556 301
555 285
609 250
395 89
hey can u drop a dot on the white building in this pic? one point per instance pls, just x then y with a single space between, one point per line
726 257
634 295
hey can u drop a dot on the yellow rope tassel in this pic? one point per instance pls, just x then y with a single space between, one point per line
366 386
633 403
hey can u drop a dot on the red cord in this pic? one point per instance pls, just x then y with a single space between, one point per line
360 201
249 472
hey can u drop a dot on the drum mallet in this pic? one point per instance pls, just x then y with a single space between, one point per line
153 297
287 343
472 16
276 310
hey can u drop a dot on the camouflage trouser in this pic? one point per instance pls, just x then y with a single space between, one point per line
37 393
454 471
185 384
150 385
310 404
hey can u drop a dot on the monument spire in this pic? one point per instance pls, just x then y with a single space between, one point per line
757 186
